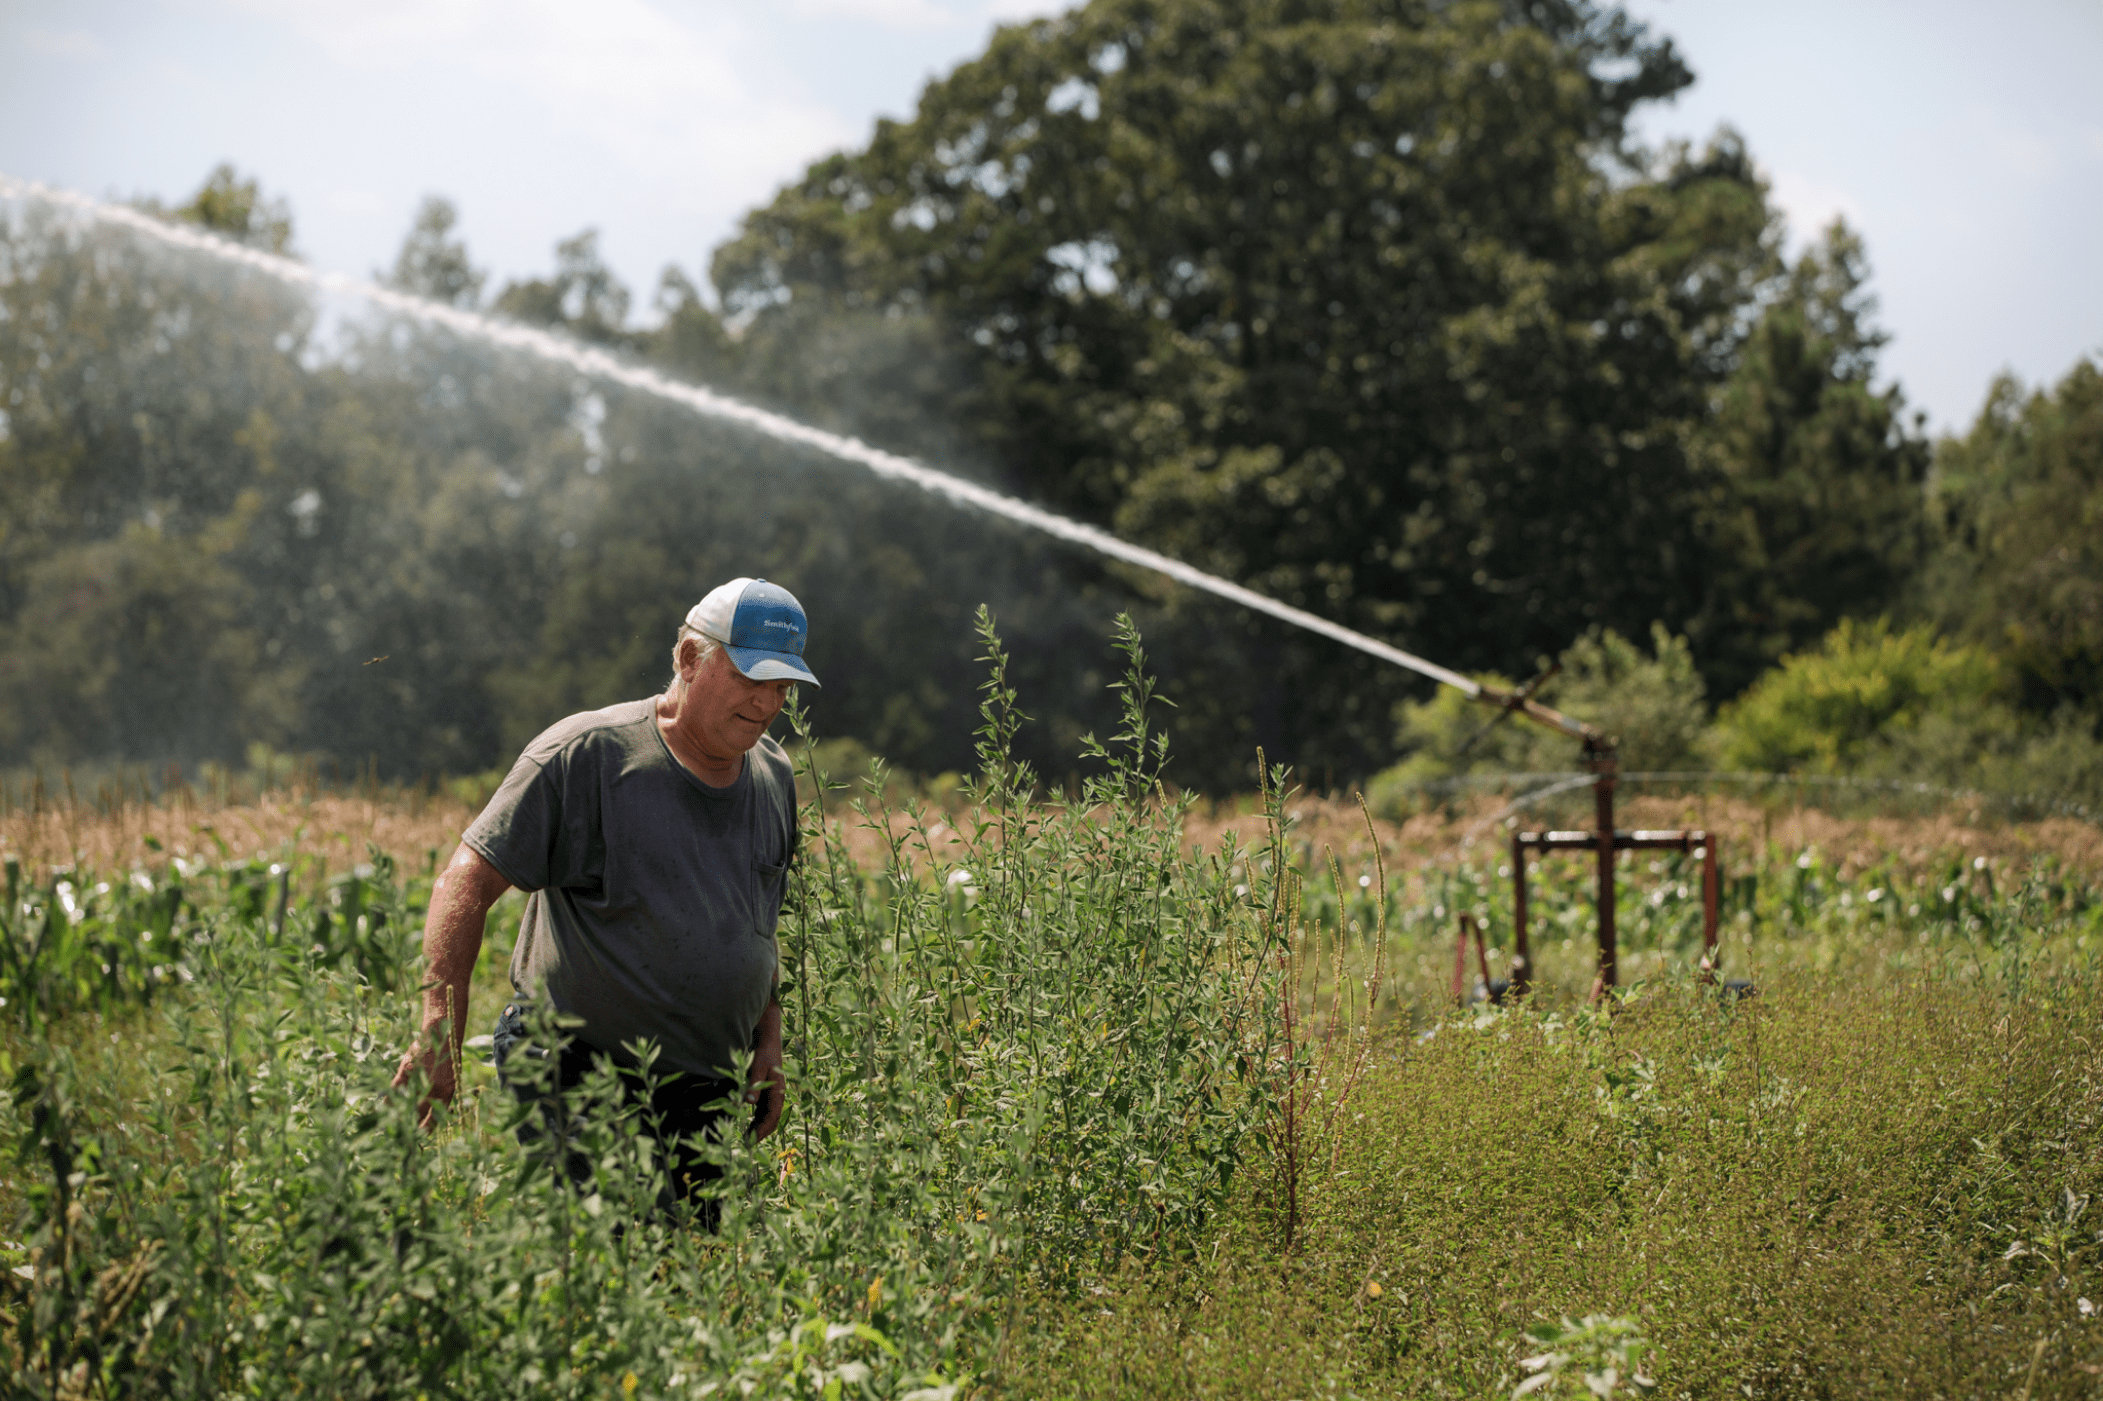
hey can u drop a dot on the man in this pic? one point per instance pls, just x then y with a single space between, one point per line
655 838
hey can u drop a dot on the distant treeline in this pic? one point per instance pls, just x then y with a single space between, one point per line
1376 307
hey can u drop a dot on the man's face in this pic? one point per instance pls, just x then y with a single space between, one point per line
726 711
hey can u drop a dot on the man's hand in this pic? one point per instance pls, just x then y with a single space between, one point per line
767 1087
438 1072
460 903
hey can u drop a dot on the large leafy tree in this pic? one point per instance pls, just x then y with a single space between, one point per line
205 537
2018 502
432 262
234 206
1369 303
1818 476
584 297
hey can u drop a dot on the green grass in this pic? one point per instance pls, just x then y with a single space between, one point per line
1078 1112
1830 1190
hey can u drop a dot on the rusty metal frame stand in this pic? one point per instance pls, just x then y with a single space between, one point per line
1607 840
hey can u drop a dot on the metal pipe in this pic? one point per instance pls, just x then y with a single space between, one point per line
1603 801
1522 948
1711 905
1533 710
1640 839
1605 843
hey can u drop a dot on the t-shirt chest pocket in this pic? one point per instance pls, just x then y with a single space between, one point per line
770 879
770 869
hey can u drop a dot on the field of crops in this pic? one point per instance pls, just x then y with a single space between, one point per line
1114 1096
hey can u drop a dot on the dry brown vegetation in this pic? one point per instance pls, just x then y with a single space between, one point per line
111 831
1848 841
336 827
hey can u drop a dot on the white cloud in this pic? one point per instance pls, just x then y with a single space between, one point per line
2014 150
61 43
678 99
355 199
886 14
1013 11
963 15
1810 205
2025 155
659 122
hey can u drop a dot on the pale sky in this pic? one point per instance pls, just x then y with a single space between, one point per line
1964 141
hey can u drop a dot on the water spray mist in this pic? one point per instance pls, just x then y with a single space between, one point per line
590 361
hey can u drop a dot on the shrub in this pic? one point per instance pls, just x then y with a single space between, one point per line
2059 763
1868 694
1909 705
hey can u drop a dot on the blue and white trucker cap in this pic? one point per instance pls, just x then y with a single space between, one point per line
761 626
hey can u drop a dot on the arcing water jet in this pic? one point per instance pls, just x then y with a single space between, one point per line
591 361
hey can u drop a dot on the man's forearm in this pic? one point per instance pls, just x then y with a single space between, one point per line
450 951
460 903
768 1086
768 1033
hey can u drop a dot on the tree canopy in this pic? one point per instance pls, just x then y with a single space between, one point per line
1373 306
1369 305
2018 503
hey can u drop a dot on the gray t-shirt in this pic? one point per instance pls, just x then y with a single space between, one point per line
654 896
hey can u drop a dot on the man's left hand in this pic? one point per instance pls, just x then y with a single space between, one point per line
767 1087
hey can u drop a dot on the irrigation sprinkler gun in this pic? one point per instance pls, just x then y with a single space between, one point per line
1605 840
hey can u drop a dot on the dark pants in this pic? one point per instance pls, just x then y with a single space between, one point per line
671 1111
